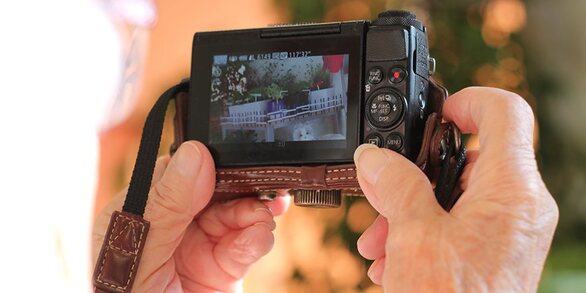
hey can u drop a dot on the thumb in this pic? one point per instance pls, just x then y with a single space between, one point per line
182 192
393 185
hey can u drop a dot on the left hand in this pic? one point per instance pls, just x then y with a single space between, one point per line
191 248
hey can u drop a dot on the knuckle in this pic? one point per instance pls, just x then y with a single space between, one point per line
168 197
402 184
531 203
248 251
513 102
550 210
164 189
518 114
412 184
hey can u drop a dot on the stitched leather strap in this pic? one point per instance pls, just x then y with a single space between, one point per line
122 247
120 254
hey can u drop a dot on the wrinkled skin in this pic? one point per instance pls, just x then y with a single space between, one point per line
497 236
191 248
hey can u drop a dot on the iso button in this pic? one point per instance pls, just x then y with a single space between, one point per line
384 109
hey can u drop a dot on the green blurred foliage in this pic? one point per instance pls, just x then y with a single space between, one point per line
304 10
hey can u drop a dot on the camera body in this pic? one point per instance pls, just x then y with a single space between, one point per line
309 94
285 107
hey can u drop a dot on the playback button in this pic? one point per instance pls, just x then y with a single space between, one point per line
374 139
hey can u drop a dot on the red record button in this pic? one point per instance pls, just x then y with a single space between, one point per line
397 74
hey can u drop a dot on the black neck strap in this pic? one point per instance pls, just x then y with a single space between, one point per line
142 175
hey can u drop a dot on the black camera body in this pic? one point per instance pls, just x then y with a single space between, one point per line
308 95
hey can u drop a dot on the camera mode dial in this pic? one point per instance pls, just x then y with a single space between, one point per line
384 109
398 17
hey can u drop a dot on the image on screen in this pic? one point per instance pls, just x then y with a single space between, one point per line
278 97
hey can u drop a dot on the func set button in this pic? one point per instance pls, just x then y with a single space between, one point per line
384 109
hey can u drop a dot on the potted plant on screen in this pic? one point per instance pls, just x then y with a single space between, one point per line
320 89
243 105
276 94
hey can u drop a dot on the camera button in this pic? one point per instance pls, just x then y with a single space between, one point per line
421 100
384 108
375 75
394 141
374 139
397 74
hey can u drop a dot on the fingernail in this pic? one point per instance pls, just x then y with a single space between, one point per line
266 225
187 160
263 210
374 272
246 237
369 272
249 245
361 148
370 161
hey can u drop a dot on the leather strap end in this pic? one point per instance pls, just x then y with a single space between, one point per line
121 251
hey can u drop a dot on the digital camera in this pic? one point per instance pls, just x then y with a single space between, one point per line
284 107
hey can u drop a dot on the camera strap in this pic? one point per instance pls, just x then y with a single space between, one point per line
442 158
124 241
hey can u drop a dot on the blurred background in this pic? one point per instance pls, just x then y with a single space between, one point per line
535 48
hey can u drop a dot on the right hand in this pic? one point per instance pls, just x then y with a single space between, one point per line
495 238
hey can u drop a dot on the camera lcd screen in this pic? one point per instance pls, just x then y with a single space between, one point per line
278 96
258 100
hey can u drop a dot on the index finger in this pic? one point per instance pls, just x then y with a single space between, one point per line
503 120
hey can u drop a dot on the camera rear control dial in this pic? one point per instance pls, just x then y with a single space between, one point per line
384 109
